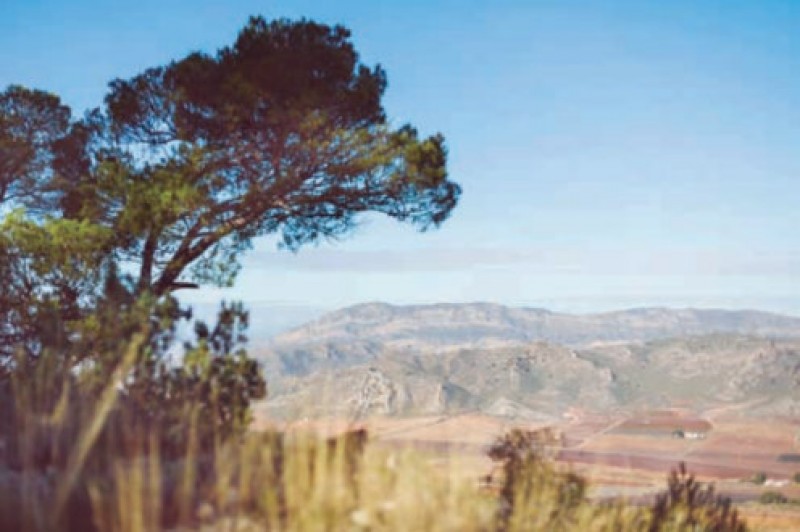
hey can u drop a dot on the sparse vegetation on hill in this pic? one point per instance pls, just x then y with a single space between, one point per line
375 373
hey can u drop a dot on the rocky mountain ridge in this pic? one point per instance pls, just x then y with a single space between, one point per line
451 325
529 363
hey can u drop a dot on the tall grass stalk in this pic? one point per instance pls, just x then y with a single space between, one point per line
91 431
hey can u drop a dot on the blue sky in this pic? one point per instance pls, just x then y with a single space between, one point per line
612 154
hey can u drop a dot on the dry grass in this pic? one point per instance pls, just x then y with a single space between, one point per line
293 480
300 481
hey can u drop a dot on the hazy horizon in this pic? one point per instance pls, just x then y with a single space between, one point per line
269 318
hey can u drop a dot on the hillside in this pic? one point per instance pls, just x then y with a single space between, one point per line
530 363
490 325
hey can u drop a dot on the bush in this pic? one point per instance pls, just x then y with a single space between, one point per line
215 383
533 493
759 478
772 497
689 505
131 380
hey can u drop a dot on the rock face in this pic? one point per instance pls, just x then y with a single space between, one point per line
529 363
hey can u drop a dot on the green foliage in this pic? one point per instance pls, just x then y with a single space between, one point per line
49 271
169 181
161 188
155 392
759 477
282 132
796 478
32 122
215 383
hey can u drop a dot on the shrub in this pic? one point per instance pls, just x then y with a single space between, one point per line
533 493
689 505
133 378
772 497
71 430
215 383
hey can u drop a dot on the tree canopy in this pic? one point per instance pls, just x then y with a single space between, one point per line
31 122
282 132
168 182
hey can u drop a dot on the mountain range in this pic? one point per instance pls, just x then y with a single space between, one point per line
530 363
